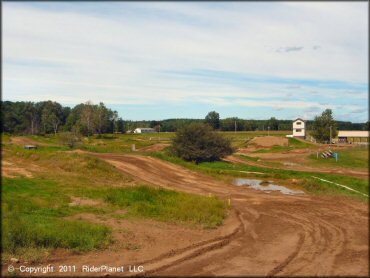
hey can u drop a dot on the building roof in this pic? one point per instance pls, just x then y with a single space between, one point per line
353 133
145 128
299 119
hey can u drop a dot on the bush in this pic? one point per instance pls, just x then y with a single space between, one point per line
70 139
199 142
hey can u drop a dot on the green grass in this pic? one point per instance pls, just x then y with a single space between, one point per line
35 209
169 206
5 138
228 171
353 158
33 212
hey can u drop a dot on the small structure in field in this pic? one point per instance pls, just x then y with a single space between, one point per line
144 130
353 136
30 147
299 128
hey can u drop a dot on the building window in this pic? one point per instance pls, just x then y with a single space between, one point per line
298 130
299 123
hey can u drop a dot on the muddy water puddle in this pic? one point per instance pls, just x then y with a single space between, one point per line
266 186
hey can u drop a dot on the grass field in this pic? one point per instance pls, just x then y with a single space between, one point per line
37 210
354 158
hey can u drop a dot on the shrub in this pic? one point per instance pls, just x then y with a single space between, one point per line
199 142
70 139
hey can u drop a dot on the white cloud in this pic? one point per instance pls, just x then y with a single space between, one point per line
70 55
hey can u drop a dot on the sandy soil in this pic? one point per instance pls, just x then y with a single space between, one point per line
154 148
13 169
78 201
10 170
269 141
23 141
265 234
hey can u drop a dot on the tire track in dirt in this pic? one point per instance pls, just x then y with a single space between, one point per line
191 251
316 231
282 265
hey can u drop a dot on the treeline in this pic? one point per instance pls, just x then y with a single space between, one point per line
50 117
228 124
232 124
87 118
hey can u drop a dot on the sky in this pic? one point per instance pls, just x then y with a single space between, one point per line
160 60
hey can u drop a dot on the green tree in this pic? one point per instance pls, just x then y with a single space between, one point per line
232 124
273 123
213 119
101 118
323 126
199 142
52 116
87 117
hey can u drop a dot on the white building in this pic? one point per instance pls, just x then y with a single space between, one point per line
299 128
144 130
353 136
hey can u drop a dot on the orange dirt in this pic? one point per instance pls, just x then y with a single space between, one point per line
12 169
23 141
265 234
154 148
269 141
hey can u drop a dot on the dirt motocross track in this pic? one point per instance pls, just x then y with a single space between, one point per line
274 234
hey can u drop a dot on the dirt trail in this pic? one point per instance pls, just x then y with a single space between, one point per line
154 148
298 167
278 234
264 234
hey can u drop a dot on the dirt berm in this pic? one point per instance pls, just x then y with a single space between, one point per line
269 141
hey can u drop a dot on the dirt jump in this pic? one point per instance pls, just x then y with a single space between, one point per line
265 234
269 141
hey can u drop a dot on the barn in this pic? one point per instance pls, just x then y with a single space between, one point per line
353 136
144 130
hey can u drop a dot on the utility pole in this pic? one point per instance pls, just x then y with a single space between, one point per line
330 136
268 131
235 126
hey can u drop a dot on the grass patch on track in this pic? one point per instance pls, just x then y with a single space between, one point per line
169 206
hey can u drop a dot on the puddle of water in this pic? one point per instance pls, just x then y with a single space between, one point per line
266 186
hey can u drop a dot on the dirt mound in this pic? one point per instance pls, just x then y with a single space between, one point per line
23 141
154 148
10 170
269 141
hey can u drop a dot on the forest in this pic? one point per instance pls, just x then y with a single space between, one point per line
24 117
